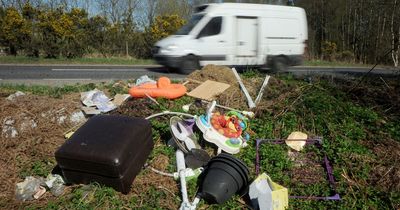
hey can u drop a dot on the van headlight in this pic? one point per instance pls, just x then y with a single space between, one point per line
168 49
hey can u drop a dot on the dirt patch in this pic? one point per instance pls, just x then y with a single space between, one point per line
32 130
380 94
234 97
307 168
386 167
148 180
139 107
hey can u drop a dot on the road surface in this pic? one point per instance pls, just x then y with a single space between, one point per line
71 74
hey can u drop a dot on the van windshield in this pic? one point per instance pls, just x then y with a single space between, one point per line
185 30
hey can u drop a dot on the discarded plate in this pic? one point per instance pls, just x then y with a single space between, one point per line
296 140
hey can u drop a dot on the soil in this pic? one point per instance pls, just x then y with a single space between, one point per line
233 97
35 145
40 122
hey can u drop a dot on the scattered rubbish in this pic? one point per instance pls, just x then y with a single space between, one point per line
69 134
90 110
27 124
180 133
309 141
186 107
261 92
250 101
224 176
144 79
98 99
189 173
225 131
27 189
9 131
296 140
15 95
61 119
77 117
119 99
107 149
208 90
34 188
163 88
181 170
39 193
268 195
55 183
247 113
196 158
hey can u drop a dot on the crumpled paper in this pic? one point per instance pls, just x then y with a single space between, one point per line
98 99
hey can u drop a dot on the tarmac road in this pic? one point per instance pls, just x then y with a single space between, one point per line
72 74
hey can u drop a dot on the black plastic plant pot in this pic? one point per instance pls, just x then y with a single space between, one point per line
236 171
236 162
223 178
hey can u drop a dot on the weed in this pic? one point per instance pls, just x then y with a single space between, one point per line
37 168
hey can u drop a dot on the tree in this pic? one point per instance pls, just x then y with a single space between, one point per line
32 44
164 26
97 28
15 30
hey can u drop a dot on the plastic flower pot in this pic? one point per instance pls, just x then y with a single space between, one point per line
223 178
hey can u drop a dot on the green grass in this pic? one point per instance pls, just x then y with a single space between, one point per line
334 63
349 131
134 61
94 61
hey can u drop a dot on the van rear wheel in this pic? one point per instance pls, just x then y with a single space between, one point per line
189 64
279 64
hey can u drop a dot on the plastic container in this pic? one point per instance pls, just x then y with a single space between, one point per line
110 150
224 177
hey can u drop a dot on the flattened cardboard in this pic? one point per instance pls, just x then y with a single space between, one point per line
208 90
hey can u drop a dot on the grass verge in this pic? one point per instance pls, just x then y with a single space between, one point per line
360 135
99 61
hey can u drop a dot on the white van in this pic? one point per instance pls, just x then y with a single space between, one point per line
235 34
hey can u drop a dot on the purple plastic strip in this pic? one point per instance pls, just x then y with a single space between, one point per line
328 167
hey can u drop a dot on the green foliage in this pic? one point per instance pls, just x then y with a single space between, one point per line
55 92
164 26
349 131
38 168
329 50
15 30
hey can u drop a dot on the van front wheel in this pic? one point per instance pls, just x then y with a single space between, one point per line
279 64
189 64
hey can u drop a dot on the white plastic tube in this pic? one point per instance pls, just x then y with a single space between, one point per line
168 113
180 164
261 92
246 93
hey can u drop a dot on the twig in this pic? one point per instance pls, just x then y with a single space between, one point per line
387 172
152 99
289 107
195 81
362 78
163 188
384 82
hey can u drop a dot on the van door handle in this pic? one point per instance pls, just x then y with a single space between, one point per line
241 43
221 41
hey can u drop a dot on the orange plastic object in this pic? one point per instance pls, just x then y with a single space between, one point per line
163 88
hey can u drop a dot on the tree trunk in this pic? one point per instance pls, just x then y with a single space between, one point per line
395 55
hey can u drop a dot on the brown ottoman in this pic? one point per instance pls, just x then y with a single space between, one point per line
110 150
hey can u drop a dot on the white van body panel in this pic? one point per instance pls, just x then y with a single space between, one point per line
250 34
